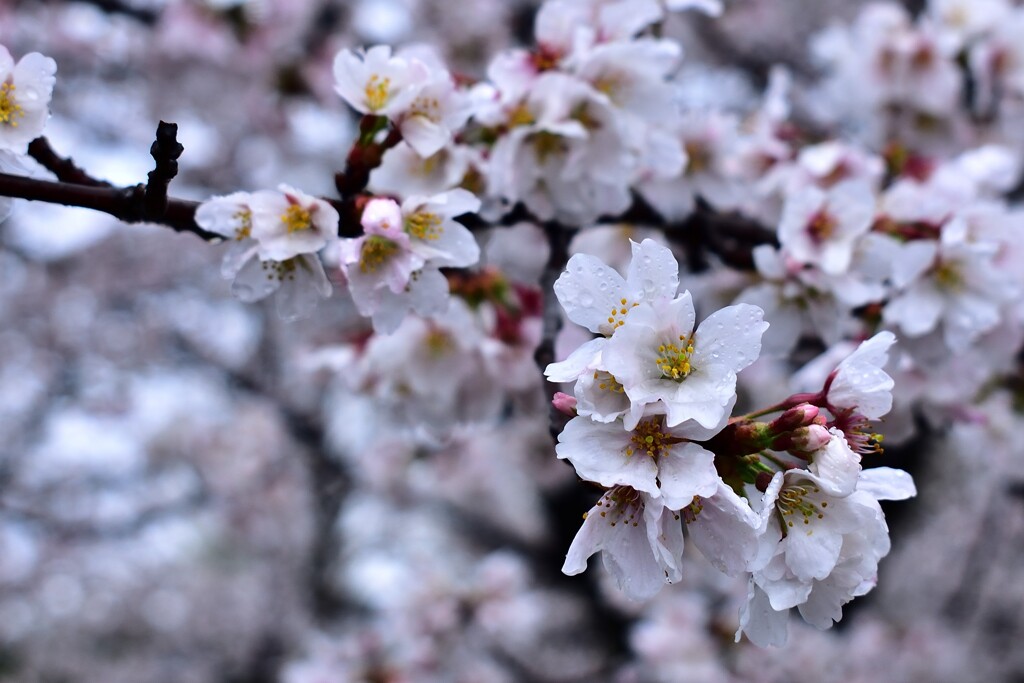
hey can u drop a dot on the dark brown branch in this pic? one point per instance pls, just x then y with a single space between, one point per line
62 167
122 203
165 151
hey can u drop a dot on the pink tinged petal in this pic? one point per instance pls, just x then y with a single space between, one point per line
730 337
725 531
583 359
886 483
590 291
685 471
837 467
382 217
653 272
764 626
598 452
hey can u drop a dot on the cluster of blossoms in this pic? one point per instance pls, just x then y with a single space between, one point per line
786 500
26 87
903 226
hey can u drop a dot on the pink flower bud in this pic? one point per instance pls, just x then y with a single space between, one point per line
564 403
797 416
811 438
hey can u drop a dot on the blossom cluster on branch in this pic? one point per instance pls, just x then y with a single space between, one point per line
745 292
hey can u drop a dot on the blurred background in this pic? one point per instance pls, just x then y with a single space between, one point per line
190 491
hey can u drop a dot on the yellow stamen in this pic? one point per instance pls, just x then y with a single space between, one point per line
424 225
674 359
9 107
296 219
378 92
376 250
244 229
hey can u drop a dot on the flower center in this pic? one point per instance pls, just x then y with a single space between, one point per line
520 116
699 156
280 270
296 219
378 92
376 250
621 504
424 225
649 438
693 510
674 358
427 107
546 144
438 343
617 317
822 226
948 276
607 382
244 229
793 500
9 107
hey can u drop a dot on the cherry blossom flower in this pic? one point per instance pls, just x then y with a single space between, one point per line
860 382
640 540
657 356
651 458
25 91
375 82
288 222
820 228
952 282
300 279
595 296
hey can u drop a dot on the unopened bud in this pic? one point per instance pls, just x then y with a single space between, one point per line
797 416
809 439
762 481
564 403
